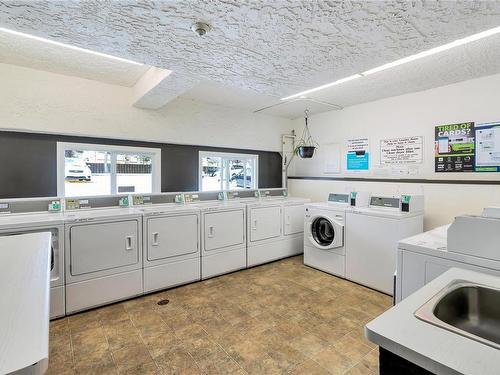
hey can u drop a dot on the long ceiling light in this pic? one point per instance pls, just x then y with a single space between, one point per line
432 51
338 82
48 41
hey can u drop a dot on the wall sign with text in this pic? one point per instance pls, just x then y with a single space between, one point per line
358 155
454 149
488 147
402 150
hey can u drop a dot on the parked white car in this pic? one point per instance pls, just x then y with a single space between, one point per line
77 170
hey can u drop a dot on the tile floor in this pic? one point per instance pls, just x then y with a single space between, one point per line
278 318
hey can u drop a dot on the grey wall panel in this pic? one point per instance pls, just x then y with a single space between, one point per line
28 163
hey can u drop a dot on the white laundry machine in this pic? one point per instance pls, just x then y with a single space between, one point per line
21 216
372 236
324 238
275 226
103 251
223 233
171 241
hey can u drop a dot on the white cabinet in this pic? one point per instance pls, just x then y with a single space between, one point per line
172 236
293 217
265 222
415 270
223 229
103 246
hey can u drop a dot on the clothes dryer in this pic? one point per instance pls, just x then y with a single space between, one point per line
21 216
104 252
171 241
223 234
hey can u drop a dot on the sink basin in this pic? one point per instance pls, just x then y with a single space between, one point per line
468 309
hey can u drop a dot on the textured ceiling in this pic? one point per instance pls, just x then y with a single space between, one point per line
31 53
270 49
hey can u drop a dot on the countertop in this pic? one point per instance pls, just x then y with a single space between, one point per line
434 243
435 349
24 306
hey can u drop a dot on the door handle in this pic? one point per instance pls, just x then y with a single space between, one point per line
288 220
211 231
156 237
254 225
129 245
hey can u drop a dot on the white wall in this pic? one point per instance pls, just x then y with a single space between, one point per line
39 101
407 115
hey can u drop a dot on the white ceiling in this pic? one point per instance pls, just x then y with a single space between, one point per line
259 51
31 53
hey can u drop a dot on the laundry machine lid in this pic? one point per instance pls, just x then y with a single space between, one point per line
325 233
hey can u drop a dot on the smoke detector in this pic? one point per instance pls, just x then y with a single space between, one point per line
201 28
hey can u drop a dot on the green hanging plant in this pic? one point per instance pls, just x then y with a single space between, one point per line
306 146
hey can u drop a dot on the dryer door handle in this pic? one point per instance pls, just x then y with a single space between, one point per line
211 231
254 225
156 239
129 243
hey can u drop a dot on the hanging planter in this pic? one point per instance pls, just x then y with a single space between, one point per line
306 146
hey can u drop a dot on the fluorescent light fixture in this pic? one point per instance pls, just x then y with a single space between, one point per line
338 82
48 41
432 51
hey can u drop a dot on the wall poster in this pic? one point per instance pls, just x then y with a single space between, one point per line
488 147
402 150
358 155
454 148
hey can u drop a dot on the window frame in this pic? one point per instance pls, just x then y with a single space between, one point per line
155 154
227 155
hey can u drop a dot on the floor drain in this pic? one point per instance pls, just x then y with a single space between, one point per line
163 302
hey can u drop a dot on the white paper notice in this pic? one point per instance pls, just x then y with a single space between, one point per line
332 158
403 150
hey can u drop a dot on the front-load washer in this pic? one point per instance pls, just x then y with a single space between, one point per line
103 252
372 236
21 216
324 247
223 234
171 241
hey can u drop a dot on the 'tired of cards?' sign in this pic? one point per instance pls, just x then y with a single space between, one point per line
402 150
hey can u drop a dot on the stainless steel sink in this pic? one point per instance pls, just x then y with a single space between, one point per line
468 309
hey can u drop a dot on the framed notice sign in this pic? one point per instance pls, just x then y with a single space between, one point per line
454 149
402 150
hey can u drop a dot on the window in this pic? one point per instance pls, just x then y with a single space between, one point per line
223 171
87 169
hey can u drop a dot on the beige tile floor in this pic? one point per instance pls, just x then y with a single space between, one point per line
278 318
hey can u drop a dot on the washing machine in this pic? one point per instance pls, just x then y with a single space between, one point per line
372 236
324 238
324 231
171 241
21 216
103 251
223 233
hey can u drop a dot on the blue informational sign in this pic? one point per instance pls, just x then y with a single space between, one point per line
358 156
487 147
358 161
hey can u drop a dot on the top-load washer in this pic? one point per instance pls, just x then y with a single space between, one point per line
324 231
223 234
372 236
274 226
171 240
103 239
33 215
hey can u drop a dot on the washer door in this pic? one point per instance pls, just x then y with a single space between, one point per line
325 233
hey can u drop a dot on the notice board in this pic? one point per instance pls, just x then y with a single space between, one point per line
454 148
402 150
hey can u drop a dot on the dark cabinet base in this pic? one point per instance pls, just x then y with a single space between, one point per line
392 364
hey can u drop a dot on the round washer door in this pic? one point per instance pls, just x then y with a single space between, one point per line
325 233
